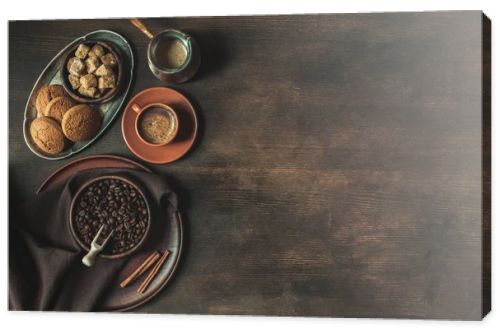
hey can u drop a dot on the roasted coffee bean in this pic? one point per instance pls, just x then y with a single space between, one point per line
117 206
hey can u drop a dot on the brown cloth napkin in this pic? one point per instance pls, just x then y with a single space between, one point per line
45 268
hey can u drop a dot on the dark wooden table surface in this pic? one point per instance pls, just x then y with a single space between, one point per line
339 169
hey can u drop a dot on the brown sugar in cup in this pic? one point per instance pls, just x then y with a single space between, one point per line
89 59
47 94
47 135
58 107
81 122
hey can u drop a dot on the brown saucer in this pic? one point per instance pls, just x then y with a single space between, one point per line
169 236
188 126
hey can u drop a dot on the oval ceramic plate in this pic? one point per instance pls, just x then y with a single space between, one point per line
51 75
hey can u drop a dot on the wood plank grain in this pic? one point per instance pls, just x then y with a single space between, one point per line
339 169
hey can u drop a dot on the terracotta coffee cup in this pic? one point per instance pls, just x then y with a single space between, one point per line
157 124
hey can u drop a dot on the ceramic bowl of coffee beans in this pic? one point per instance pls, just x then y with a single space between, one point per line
92 72
118 204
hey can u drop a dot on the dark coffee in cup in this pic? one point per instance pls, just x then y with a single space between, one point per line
157 124
173 56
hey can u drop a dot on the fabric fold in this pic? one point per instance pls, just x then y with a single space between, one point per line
45 269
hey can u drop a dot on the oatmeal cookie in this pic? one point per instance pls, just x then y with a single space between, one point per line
47 135
47 94
58 107
81 122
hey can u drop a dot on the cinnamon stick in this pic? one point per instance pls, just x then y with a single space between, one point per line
144 285
141 269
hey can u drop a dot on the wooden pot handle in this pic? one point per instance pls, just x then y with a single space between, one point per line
139 25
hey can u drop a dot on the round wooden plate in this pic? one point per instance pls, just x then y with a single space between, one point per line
188 126
89 162
164 236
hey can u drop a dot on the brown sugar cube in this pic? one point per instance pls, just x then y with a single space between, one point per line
77 67
106 82
108 59
74 81
92 64
82 51
88 81
89 92
70 62
104 70
96 51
